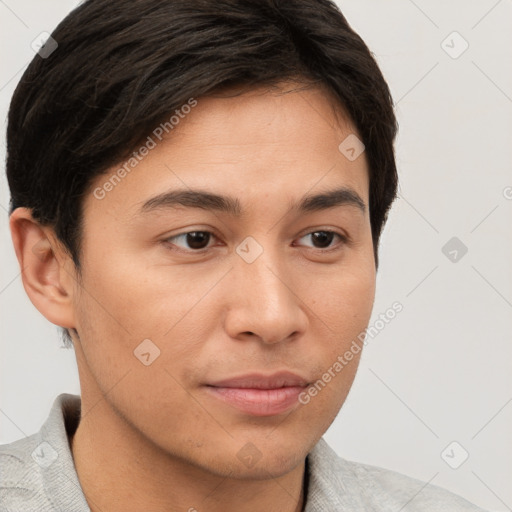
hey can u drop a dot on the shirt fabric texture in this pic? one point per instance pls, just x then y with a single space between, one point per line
37 474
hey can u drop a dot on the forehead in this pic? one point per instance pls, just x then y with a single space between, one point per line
258 145
264 116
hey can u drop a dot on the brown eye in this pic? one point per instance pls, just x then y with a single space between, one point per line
323 239
194 240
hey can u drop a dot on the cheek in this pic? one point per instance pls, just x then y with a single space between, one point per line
138 299
113 326
341 309
125 303
342 300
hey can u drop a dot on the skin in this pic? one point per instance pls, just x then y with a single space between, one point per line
152 437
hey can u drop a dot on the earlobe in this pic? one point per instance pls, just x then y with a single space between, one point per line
46 272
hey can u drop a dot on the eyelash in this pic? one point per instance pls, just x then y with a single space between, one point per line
343 240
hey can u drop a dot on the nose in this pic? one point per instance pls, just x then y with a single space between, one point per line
263 303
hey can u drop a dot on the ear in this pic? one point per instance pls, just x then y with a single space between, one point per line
47 271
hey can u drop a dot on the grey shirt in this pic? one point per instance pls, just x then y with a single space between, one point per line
37 474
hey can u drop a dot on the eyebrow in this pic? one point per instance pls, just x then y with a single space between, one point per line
209 201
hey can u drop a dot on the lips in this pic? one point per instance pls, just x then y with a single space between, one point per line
259 395
258 381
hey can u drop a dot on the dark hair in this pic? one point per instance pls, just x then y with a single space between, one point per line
122 66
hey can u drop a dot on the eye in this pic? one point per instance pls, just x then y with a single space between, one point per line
195 240
322 239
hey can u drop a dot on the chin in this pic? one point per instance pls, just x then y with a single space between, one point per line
249 462
267 468
272 460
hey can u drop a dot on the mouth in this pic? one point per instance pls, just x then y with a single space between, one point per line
260 395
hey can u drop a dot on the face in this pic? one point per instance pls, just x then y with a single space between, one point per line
191 307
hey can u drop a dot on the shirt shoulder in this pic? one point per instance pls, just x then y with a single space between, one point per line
37 473
337 483
20 482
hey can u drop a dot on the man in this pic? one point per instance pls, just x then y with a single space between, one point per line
198 191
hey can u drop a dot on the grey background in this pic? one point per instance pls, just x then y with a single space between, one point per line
440 371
